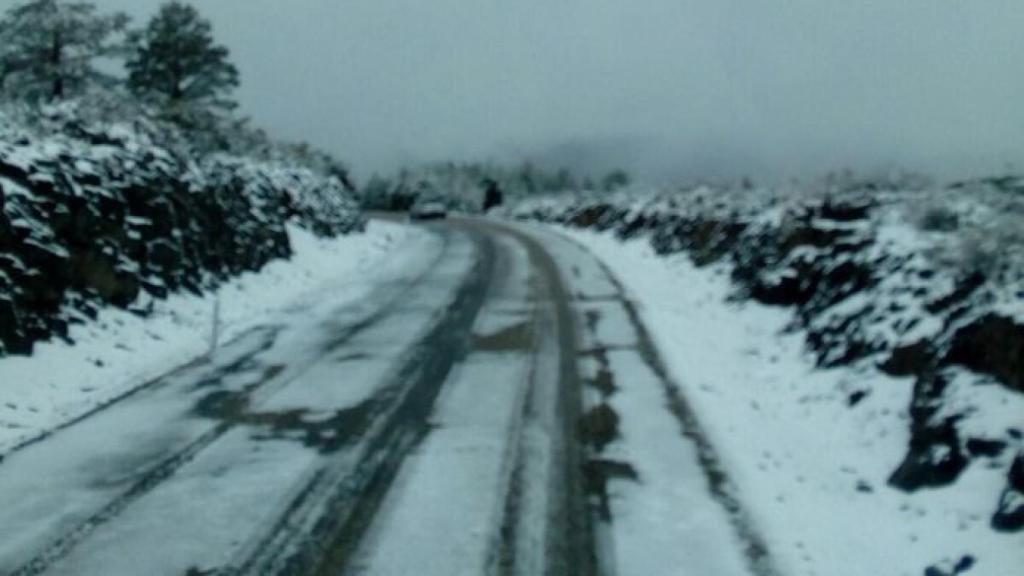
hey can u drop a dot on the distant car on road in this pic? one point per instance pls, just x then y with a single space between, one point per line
431 210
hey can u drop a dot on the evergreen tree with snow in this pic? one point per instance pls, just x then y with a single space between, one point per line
49 48
176 64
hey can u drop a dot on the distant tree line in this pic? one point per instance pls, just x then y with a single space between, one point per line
467 186
53 51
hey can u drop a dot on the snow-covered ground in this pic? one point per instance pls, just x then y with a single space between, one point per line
121 351
811 468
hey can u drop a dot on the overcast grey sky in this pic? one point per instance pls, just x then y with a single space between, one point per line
670 88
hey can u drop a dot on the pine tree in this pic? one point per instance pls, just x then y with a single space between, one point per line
50 47
615 180
176 64
6 58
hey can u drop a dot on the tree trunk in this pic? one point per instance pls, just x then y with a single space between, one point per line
56 57
177 77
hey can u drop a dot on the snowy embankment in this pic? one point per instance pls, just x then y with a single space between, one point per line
119 350
857 375
94 214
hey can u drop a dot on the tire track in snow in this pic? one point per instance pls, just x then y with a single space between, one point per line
756 551
264 387
571 538
322 527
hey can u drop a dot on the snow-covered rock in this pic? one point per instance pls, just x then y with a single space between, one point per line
98 214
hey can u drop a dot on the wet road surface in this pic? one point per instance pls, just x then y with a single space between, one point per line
287 451
453 423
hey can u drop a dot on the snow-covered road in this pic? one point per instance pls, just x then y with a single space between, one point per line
454 421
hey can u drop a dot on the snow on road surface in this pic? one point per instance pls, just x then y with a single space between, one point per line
662 515
493 400
120 351
651 508
214 428
445 513
297 426
809 469
312 441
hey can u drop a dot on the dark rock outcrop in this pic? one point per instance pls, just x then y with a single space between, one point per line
992 345
934 457
84 225
909 360
933 460
1009 516
961 566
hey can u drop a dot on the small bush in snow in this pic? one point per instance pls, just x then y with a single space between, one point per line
939 219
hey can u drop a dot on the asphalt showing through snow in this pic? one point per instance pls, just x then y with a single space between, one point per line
443 426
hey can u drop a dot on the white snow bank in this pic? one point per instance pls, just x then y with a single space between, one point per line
120 351
810 467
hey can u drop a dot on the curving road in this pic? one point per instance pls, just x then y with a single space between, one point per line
382 438
436 428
